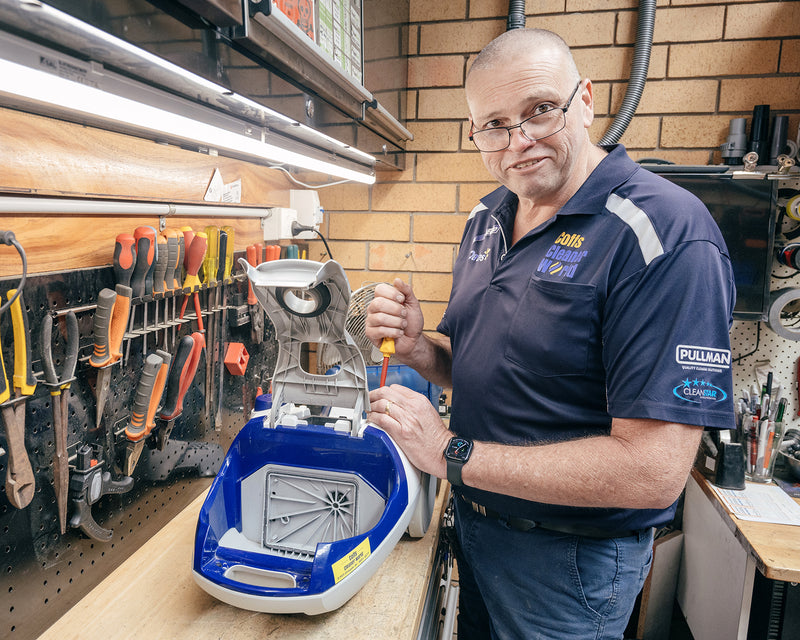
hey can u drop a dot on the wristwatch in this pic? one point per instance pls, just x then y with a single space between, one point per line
456 454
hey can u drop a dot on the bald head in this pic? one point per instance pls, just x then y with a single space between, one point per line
513 44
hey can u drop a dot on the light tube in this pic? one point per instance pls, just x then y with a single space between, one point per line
45 88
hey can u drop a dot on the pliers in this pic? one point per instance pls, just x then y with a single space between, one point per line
20 481
60 404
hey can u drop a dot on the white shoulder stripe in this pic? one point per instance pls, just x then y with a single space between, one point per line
641 225
478 208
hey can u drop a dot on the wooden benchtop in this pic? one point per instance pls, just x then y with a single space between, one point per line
775 548
153 595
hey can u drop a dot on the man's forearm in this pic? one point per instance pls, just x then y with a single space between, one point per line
605 471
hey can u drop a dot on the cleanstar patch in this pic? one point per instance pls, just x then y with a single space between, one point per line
697 391
703 356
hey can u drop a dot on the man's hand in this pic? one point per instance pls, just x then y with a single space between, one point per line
395 313
414 424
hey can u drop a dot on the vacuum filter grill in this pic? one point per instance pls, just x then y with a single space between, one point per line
301 511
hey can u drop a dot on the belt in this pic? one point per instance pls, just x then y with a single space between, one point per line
523 524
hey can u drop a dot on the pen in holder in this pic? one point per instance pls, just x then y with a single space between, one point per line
763 442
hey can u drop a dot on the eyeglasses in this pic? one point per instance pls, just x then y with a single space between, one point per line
538 126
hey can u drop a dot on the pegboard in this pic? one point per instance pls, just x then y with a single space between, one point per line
756 348
44 573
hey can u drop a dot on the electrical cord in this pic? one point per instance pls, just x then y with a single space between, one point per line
303 184
8 238
299 228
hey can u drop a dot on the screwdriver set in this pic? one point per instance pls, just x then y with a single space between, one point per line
117 406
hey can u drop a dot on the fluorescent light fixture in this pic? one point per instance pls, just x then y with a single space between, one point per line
33 85
90 37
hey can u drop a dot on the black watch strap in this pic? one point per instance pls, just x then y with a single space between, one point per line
454 472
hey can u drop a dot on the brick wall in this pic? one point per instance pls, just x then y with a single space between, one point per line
711 61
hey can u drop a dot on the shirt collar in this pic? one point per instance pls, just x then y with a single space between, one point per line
615 169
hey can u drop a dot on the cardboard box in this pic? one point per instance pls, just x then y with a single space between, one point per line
301 12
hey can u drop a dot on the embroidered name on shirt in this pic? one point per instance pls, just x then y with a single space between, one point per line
474 256
563 257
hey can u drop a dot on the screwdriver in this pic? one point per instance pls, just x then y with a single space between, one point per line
124 258
160 275
146 401
142 278
179 379
170 281
212 253
177 267
226 238
387 349
253 253
217 247
124 264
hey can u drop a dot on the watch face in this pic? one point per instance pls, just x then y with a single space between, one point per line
458 449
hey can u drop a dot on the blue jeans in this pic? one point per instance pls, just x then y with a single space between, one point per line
543 585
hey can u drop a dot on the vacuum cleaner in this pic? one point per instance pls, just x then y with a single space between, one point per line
310 498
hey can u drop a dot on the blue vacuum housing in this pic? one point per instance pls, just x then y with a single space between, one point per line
306 507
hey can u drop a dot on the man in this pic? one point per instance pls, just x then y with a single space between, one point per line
584 290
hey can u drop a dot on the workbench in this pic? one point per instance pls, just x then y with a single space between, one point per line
721 555
153 595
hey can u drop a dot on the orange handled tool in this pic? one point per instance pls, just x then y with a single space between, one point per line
146 401
387 349
194 259
252 259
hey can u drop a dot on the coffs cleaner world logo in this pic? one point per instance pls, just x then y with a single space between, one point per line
564 256
697 391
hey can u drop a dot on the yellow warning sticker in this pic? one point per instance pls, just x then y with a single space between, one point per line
349 563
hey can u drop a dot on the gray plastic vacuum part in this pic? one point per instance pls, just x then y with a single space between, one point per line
777 145
733 149
638 76
307 302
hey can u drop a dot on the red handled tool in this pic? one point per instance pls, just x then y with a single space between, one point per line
194 259
179 379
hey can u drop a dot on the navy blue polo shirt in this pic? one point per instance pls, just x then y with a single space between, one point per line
618 306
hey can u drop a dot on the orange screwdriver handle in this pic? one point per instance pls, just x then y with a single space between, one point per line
251 258
188 237
124 258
